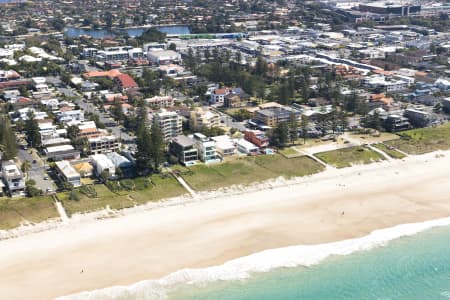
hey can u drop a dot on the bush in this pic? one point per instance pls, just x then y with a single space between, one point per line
88 190
113 186
127 184
74 196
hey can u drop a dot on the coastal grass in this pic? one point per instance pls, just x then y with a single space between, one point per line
247 170
150 188
16 211
423 140
85 203
389 151
346 157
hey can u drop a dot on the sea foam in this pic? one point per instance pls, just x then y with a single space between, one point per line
264 261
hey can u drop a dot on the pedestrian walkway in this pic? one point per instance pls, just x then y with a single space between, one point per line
183 183
61 211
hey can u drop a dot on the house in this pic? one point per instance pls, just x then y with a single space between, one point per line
7 75
122 163
67 173
395 122
170 123
206 148
224 145
62 152
71 116
246 147
13 179
218 96
85 169
203 118
257 138
236 98
446 104
103 144
184 149
102 164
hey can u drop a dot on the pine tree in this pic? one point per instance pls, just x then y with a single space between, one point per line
7 139
293 128
305 124
157 146
32 130
143 141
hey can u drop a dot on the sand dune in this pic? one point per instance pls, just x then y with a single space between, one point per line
331 206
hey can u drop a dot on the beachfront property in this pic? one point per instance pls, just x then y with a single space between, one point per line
102 164
170 123
246 147
206 148
13 179
84 168
103 144
184 149
67 173
224 145
257 137
122 163
203 118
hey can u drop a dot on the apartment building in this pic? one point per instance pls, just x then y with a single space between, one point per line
203 117
103 144
170 123
184 149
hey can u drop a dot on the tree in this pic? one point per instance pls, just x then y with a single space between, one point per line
280 135
143 140
31 189
293 128
32 131
157 146
172 47
7 139
25 167
305 124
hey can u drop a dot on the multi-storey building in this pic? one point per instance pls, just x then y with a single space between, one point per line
103 144
170 123
13 179
201 118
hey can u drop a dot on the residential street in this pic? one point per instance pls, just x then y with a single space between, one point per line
37 171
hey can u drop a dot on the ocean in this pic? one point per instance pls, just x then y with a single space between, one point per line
409 261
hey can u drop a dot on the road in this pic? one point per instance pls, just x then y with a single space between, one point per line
37 171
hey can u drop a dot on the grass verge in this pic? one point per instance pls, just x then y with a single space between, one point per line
15 211
423 140
346 157
390 151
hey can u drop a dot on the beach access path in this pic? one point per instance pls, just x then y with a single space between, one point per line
216 227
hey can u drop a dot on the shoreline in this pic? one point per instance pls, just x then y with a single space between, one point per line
158 239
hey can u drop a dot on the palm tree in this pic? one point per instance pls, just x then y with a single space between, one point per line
26 166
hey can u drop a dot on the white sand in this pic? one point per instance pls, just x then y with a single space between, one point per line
152 243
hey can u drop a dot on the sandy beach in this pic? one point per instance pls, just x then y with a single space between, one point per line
330 206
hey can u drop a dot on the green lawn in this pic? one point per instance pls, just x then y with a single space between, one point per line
390 151
290 152
246 170
346 157
14 211
423 140
153 188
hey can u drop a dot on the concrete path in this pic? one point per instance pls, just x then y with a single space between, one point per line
183 183
61 211
382 153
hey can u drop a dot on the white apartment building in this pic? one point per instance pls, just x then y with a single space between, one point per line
203 117
170 123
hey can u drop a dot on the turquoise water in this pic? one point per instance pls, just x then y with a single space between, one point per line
416 267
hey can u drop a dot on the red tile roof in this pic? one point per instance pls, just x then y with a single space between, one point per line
126 81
